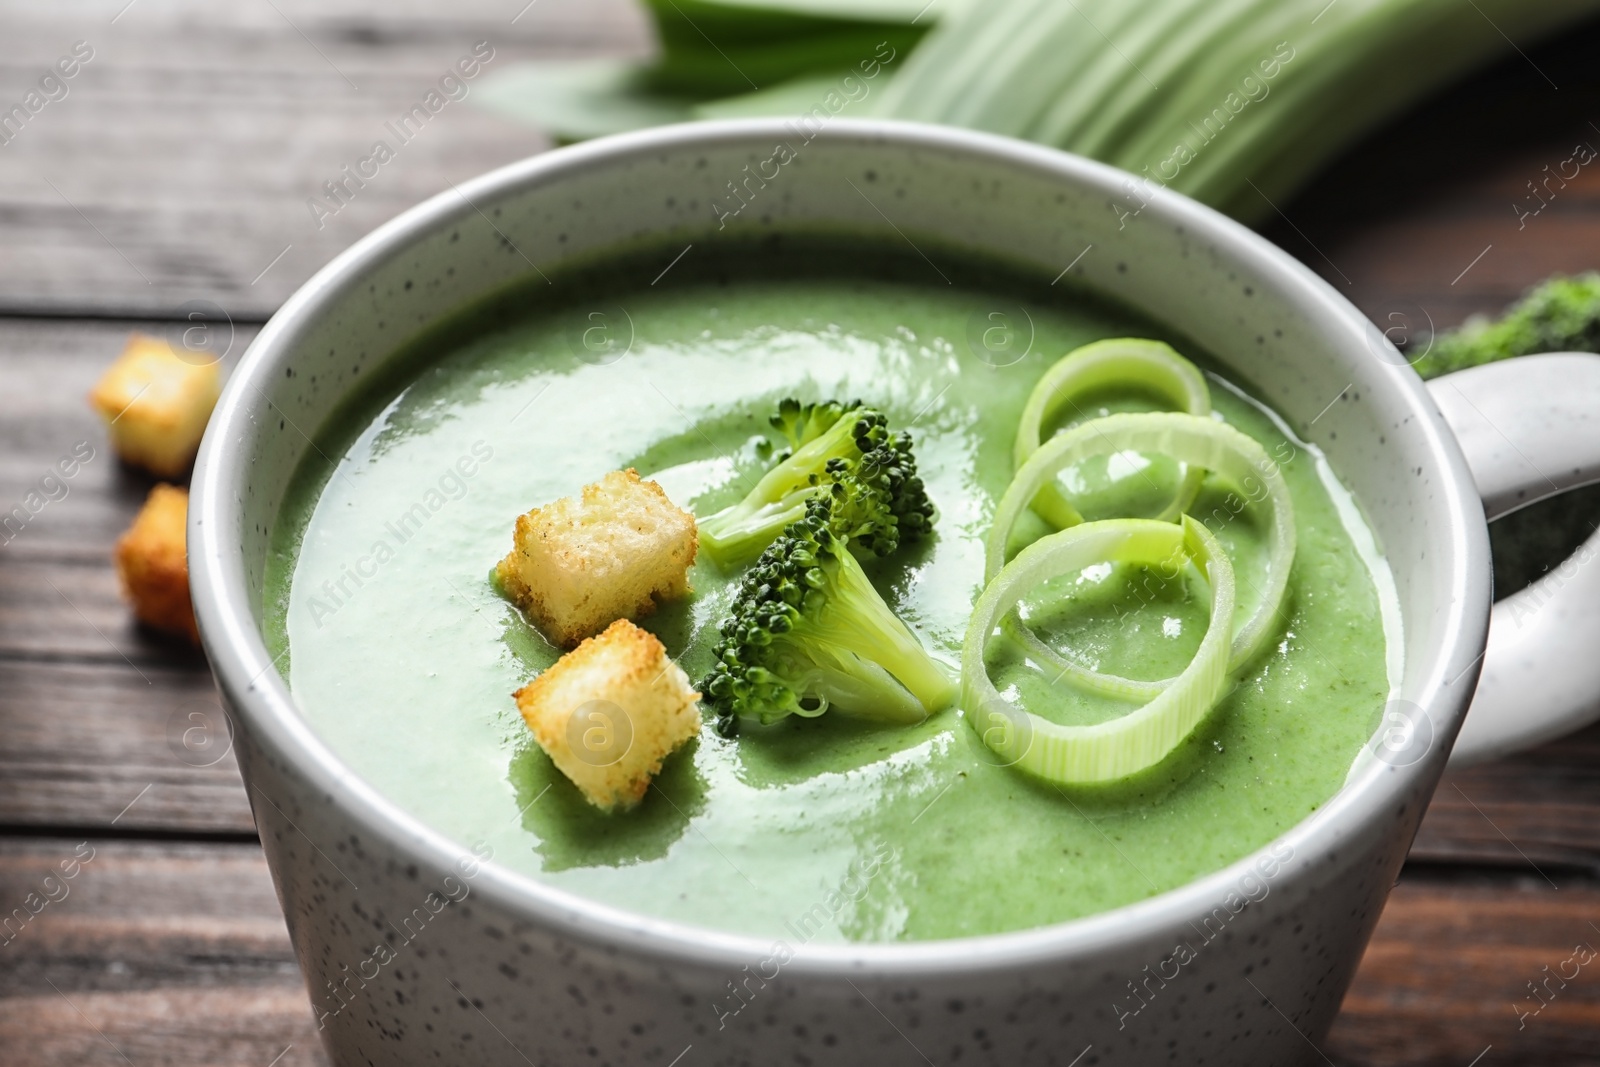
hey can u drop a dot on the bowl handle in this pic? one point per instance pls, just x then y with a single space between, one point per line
1530 428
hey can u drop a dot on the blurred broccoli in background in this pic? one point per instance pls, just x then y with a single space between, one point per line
1561 314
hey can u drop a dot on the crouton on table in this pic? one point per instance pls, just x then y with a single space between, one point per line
610 553
156 404
608 712
153 566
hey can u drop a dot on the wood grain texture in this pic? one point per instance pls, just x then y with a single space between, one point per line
111 747
151 953
1537 812
1446 977
179 167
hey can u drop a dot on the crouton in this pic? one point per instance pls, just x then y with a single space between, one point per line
608 712
152 564
156 404
612 553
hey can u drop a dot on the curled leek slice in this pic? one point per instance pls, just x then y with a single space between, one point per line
1106 751
1200 442
1124 361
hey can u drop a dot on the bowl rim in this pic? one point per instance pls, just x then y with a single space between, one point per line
258 695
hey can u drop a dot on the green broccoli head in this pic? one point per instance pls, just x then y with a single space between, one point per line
879 501
842 451
808 632
801 423
1559 315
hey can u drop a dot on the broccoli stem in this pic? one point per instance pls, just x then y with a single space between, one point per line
855 621
860 689
736 535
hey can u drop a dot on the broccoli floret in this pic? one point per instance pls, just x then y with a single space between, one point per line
808 632
801 423
845 451
1560 315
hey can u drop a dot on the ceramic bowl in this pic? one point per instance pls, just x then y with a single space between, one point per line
1248 964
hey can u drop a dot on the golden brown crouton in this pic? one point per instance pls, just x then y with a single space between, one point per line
156 404
582 562
610 711
152 564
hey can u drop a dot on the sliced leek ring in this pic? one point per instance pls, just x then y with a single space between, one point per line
1106 751
1200 442
1127 361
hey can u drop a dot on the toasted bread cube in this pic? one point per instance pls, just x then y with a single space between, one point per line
153 566
156 404
608 712
611 553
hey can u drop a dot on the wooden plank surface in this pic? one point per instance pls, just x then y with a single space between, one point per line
151 953
1445 980
1537 811
179 165
178 168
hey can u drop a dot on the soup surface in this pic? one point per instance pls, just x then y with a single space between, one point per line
403 657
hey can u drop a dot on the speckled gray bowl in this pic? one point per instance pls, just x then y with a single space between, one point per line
509 971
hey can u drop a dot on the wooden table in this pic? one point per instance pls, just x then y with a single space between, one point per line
177 169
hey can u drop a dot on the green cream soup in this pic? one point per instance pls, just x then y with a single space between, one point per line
403 656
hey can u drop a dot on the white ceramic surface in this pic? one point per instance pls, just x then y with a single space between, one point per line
1530 429
416 952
